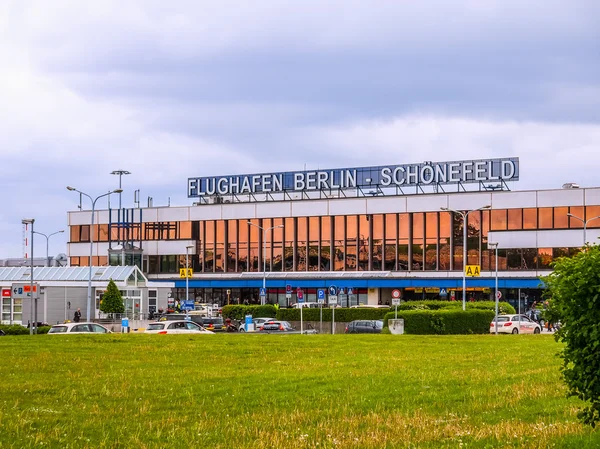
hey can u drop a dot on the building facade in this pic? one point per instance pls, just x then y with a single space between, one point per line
369 237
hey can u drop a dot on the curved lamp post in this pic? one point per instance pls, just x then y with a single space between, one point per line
465 216
264 230
47 239
93 200
585 223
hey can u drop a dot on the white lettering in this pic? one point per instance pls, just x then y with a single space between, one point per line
399 179
441 173
277 183
386 179
322 180
350 178
266 183
413 174
332 180
427 174
311 180
454 172
480 171
508 169
491 176
210 190
255 183
222 186
299 183
467 170
245 185
192 186
234 184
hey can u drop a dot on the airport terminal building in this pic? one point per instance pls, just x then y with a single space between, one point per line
364 230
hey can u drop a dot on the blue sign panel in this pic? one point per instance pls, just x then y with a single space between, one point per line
443 292
342 291
263 291
332 290
288 289
321 294
188 304
350 291
405 175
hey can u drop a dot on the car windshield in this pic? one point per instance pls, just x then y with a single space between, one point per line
503 319
155 326
58 330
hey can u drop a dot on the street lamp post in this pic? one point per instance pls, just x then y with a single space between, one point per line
47 240
93 200
585 223
120 173
495 246
30 221
465 216
264 230
187 283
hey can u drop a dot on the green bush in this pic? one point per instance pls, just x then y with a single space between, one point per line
344 315
503 307
17 329
444 321
239 312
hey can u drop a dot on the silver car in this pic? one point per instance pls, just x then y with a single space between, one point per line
78 328
175 327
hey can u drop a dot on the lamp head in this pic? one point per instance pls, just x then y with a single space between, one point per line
117 191
71 188
487 206
444 208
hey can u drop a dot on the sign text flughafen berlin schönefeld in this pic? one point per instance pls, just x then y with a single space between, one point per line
406 175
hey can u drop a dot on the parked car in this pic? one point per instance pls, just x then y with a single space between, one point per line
258 322
78 328
213 324
515 324
283 327
176 327
364 327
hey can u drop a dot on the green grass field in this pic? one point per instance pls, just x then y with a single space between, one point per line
285 391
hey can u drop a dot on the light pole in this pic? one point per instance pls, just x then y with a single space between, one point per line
47 239
264 230
495 246
93 200
585 222
187 277
30 221
465 216
120 173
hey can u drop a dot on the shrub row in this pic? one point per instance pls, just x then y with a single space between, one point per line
344 315
16 329
503 307
238 312
445 321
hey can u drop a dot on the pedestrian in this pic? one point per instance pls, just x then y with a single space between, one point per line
77 316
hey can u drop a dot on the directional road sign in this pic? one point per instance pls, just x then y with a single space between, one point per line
332 290
23 291
300 295
320 295
263 292
350 291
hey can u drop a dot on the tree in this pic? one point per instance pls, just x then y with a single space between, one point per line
112 301
574 292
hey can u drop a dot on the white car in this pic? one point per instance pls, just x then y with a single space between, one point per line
78 328
515 324
176 327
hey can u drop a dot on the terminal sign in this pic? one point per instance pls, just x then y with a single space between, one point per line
405 175
472 270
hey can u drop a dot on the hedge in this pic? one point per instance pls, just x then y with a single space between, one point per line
344 315
239 312
444 321
16 329
503 307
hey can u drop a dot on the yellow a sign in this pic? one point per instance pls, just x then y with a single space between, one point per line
185 272
472 270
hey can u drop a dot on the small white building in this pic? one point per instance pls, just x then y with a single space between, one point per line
64 289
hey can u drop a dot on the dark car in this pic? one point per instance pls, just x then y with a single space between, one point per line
213 324
364 327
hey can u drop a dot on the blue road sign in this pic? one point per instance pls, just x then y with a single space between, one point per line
288 288
342 291
350 291
263 291
188 304
443 292
320 294
332 290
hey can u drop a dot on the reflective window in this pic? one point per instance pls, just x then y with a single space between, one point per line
314 224
418 234
220 246
231 251
379 243
209 246
530 218
325 244
391 237
351 242
545 217
445 232
243 245
561 219
431 240
403 241
592 215
499 220
277 249
515 219
185 230
339 239
301 243
364 242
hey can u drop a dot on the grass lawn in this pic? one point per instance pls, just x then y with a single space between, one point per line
285 391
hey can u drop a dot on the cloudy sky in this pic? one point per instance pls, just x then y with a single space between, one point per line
176 89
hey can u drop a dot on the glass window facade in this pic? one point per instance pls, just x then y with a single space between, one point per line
418 241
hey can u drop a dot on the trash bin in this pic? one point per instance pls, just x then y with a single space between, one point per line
124 325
